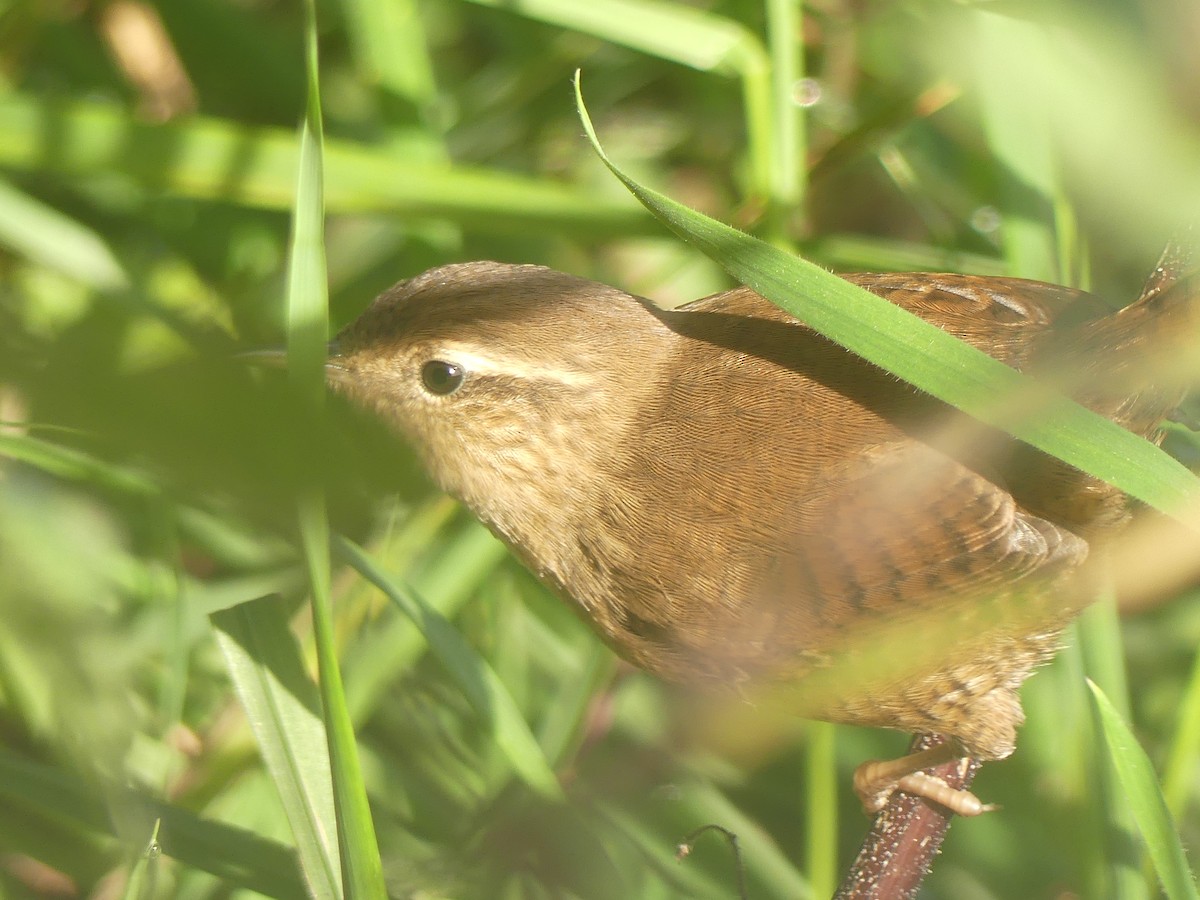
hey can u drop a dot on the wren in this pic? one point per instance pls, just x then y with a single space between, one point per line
730 499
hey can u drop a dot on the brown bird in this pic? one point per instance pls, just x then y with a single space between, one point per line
730 499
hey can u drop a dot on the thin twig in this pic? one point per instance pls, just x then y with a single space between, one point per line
899 849
906 836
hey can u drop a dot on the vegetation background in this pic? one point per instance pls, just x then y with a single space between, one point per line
148 153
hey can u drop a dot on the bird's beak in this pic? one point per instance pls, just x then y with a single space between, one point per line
335 372
276 358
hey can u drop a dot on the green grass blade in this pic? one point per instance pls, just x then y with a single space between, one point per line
308 295
477 680
821 808
308 302
241 857
789 150
391 48
924 355
1087 79
671 31
1021 140
559 729
1099 649
1185 747
73 465
1146 801
684 35
391 649
143 874
284 712
46 236
859 253
225 161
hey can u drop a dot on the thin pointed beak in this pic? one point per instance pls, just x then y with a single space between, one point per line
334 370
276 358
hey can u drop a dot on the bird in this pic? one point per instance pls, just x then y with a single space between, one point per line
734 502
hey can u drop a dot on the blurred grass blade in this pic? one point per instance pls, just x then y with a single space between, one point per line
1185 747
861 253
391 649
226 161
308 303
74 465
143 876
307 291
789 147
671 31
1105 103
1020 137
1146 801
691 37
560 730
1098 648
392 50
821 807
284 712
240 856
477 680
924 355
46 236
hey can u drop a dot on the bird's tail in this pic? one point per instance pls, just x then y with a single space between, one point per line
1146 356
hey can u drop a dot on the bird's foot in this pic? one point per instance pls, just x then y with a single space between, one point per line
876 780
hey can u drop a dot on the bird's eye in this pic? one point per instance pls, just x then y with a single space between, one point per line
441 377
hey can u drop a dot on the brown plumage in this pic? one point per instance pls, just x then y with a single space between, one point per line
731 499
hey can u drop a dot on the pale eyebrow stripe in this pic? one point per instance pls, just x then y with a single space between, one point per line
523 367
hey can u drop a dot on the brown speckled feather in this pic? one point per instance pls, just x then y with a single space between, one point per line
730 498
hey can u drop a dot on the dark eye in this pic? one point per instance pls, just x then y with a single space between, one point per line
441 377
